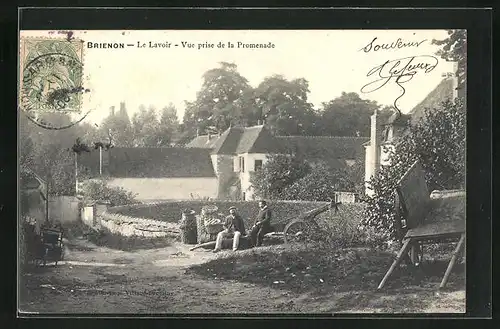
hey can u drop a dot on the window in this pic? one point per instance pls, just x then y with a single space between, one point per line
258 165
242 164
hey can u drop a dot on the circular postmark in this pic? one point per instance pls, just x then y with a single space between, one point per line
52 83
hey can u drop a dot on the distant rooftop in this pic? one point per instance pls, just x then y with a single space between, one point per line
151 162
203 141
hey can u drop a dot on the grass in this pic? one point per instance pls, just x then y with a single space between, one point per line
351 274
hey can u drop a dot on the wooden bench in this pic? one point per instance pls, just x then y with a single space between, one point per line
423 218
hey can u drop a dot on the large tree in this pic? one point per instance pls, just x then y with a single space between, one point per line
168 125
48 152
284 105
145 127
118 125
346 115
216 103
454 48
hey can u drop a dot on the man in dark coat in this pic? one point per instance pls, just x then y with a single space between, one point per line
262 224
234 226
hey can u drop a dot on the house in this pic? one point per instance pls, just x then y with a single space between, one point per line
240 151
383 134
155 173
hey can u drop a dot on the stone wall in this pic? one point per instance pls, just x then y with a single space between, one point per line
131 226
171 211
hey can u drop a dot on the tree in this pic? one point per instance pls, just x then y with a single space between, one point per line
284 106
439 143
320 184
216 103
145 128
454 48
48 152
347 115
119 126
279 172
168 125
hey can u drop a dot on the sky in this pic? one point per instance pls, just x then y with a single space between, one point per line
333 62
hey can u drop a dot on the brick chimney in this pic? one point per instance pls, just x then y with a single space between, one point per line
112 110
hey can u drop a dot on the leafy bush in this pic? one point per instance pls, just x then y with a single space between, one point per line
438 141
98 190
279 172
292 177
319 185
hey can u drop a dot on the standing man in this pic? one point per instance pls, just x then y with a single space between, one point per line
235 226
262 224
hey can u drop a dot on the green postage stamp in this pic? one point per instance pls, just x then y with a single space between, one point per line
51 76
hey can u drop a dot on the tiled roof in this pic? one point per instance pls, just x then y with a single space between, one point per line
203 142
442 92
325 146
168 162
228 141
258 140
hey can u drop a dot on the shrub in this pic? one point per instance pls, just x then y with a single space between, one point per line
93 190
319 185
279 172
438 142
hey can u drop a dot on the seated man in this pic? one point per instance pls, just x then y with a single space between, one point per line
262 224
235 226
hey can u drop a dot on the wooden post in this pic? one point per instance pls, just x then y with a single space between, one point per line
396 262
452 261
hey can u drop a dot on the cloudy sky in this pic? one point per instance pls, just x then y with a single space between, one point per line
331 60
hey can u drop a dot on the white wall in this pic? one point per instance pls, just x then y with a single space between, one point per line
168 188
250 158
64 208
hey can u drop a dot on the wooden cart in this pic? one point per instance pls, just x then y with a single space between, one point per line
421 219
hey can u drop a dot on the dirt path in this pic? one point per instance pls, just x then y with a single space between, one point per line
100 280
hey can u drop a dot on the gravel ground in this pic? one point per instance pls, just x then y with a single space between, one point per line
273 279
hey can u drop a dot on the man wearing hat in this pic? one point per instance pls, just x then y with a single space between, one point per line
262 224
234 226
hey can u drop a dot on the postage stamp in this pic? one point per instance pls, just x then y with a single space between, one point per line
51 76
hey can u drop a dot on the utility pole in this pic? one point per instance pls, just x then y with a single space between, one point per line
100 160
76 173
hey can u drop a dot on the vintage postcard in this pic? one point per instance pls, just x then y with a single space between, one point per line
235 172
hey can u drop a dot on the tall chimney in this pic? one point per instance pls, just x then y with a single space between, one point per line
112 110
372 158
375 142
197 132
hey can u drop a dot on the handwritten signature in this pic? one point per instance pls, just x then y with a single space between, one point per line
400 71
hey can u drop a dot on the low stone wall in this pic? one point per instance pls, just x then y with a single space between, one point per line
128 226
171 211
